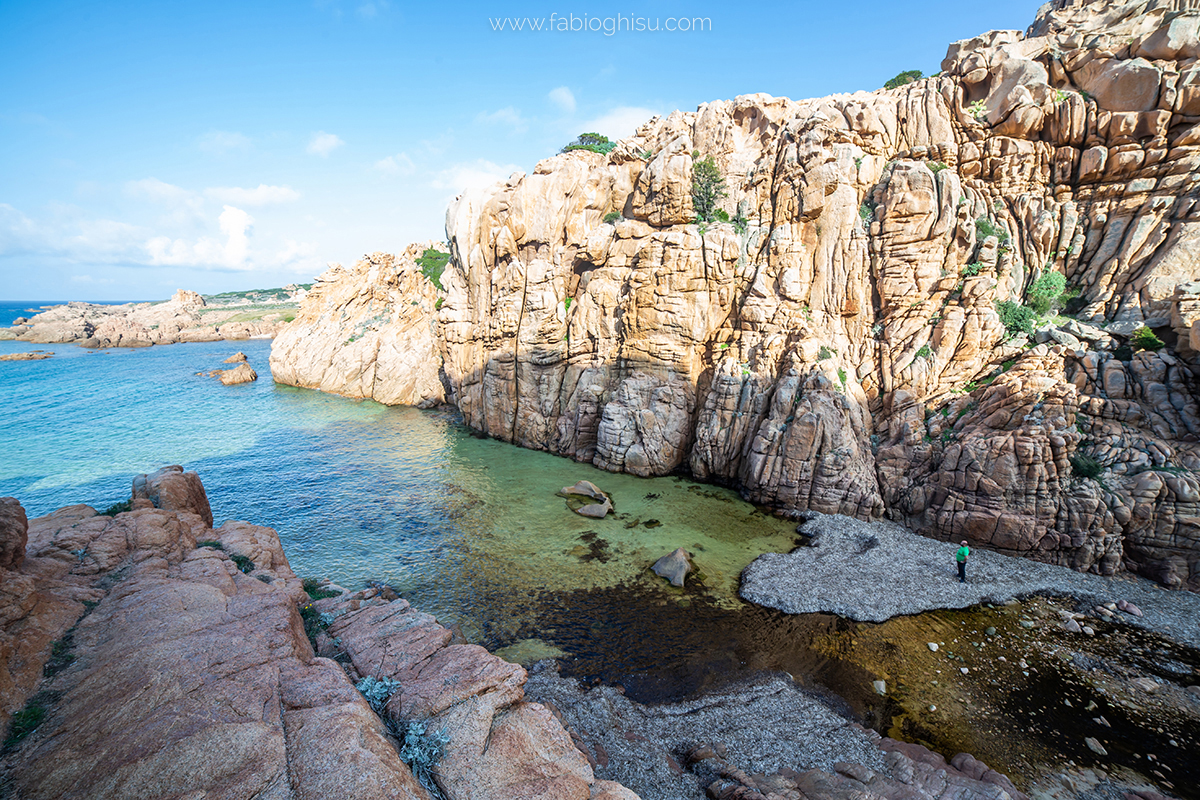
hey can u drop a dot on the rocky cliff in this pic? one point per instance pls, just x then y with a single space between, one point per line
366 332
879 328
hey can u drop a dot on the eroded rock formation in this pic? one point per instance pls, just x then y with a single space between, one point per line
366 332
838 345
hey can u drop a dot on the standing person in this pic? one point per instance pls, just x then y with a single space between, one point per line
961 555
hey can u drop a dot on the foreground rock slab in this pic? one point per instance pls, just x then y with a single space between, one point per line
873 571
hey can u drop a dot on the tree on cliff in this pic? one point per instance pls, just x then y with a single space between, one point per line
595 142
908 76
708 188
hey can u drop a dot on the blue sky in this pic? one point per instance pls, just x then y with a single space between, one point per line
221 146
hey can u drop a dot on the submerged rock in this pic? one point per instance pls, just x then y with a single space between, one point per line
674 567
595 510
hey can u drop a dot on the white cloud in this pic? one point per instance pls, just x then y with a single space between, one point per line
507 116
161 192
563 98
221 142
263 195
620 122
467 175
207 251
370 10
322 144
399 164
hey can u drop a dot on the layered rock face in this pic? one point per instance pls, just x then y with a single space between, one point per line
366 332
838 345
150 655
186 317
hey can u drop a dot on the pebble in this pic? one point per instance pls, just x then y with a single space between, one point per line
880 687
933 647
934 708
1089 630
964 670
1071 626
1026 623
1095 746
989 631
1002 658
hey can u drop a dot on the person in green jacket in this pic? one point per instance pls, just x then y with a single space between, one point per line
961 555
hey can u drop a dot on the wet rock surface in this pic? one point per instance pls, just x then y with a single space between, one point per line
796 747
877 570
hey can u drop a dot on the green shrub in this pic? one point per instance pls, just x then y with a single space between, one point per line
594 142
936 166
1084 466
978 109
708 189
971 270
1016 318
377 691
421 751
117 508
906 77
720 215
1046 291
924 352
740 223
613 217
647 155
213 543
244 564
314 590
1144 339
825 353
841 373
437 306
25 721
984 228
433 264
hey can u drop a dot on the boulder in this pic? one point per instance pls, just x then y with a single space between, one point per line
172 489
595 510
586 489
14 529
674 566
236 358
242 373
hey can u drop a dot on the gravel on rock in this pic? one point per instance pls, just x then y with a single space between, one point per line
873 571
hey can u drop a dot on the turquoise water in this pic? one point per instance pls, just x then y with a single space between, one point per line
470 529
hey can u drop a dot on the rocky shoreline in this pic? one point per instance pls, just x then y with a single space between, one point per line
148 654
186 317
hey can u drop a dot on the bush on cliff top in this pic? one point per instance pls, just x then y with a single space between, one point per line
595 142
433 264
908 76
